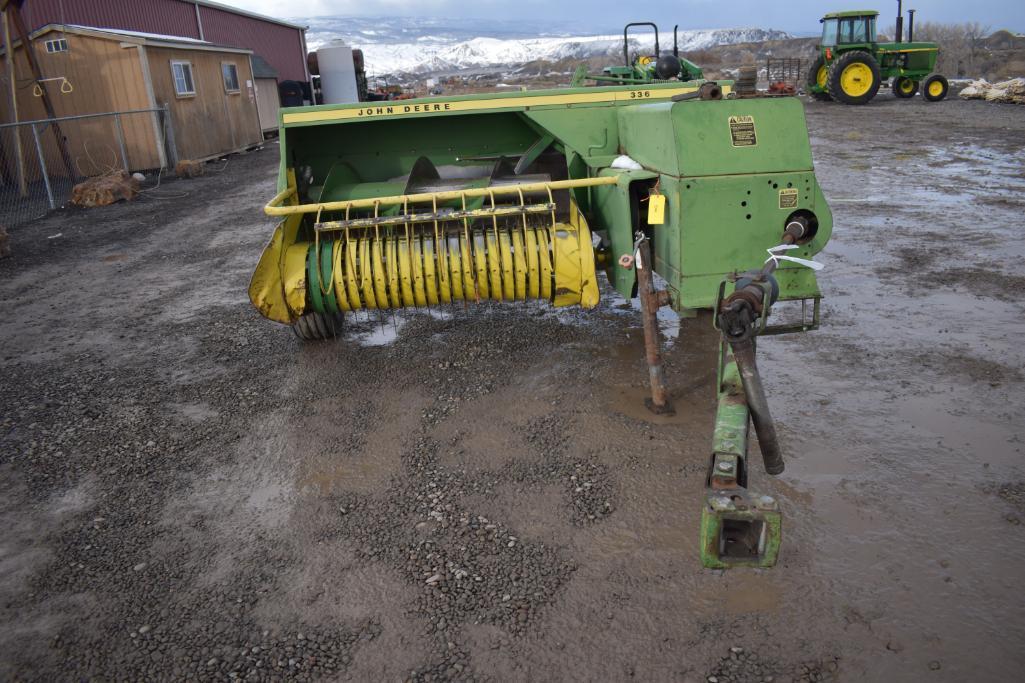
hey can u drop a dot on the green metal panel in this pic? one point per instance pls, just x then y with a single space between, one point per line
699 138
725 201
726 224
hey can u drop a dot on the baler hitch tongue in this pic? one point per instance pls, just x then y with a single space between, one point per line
740 528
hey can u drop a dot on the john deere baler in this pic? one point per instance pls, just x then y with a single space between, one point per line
525 196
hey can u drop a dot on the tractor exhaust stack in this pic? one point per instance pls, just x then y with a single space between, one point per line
899 31
911 25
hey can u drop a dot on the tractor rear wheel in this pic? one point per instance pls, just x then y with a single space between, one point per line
935 88
904 87
315 326
854 77
818 74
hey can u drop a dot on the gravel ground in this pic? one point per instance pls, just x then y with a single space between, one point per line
187 491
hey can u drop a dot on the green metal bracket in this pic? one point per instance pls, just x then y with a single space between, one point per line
739 529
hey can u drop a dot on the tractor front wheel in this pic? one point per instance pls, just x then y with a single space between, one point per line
315 326
854 77
904 87
818 75
935 88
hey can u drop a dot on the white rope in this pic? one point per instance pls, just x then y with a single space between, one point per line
776 257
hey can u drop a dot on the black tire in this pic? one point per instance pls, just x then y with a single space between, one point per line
317 326
812 81
850 60
935 88
904 87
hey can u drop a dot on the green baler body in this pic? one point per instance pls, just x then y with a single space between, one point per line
732 170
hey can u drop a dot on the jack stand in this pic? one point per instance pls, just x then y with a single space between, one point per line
651 301
738 528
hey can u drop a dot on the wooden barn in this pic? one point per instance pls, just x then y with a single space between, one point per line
209 89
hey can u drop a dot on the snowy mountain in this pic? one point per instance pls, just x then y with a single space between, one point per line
395 45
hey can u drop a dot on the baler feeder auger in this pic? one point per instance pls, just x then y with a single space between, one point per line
522 196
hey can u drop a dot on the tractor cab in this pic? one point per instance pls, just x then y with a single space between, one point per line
852 28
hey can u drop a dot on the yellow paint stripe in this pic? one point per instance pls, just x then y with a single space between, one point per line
916 49
415 108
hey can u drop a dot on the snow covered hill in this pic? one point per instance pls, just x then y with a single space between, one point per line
417 46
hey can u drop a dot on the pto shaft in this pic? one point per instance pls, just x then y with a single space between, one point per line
765 428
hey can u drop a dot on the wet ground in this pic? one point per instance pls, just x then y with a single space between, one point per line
186 491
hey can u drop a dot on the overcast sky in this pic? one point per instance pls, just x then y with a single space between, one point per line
794 16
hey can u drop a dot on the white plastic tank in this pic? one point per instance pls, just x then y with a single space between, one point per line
337 74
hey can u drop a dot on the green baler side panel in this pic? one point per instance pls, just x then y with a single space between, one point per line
726 224
724 197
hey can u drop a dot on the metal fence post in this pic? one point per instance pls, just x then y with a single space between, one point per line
42 166
121 141
172 148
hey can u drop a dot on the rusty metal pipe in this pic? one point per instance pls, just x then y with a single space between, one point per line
650 302
765 428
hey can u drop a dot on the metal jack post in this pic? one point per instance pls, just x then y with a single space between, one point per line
651 301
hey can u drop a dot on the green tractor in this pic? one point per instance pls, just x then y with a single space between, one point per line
852 65
644 69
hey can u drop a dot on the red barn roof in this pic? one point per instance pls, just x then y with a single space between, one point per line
281 43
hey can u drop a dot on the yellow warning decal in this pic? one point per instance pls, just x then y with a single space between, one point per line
417 107
742 131
788 198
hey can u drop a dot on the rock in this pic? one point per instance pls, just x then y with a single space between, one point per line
139 177
139 567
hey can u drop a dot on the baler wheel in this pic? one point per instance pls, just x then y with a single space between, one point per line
854 78
315 326
904 87
935 88
818 75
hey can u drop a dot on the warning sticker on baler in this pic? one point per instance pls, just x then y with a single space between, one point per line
742 131
788 198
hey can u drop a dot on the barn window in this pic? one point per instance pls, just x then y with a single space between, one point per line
184 85
230 73
59 45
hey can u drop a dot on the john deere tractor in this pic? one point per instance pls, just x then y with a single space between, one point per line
653 68
852 65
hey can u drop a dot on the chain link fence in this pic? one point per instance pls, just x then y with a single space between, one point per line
41 161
